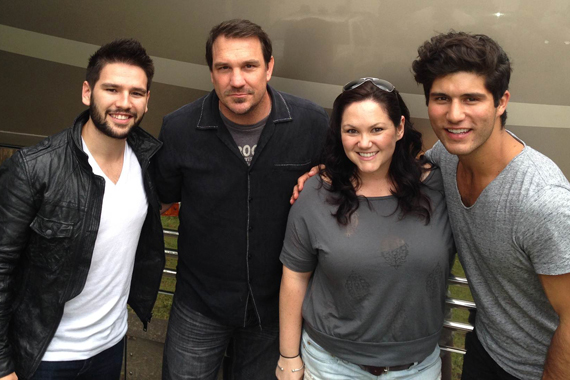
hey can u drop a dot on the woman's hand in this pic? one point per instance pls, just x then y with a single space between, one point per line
288 365
301 181
13 376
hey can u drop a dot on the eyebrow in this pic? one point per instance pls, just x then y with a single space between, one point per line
466 95
379 124
113 85
248 62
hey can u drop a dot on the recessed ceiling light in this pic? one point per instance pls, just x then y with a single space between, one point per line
567 42
546 41
499 14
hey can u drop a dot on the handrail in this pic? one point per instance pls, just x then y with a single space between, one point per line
451 302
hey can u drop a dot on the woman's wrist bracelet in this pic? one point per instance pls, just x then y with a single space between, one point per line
293 370
289 357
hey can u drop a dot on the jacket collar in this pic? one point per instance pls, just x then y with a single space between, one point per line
143 144
210 115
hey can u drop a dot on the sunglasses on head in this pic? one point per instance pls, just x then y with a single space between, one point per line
380 83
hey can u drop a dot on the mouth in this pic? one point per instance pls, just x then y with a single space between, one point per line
457 131
367 154
121 117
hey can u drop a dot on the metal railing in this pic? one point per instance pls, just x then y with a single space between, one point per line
451 302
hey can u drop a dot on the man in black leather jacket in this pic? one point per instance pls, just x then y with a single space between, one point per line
69 257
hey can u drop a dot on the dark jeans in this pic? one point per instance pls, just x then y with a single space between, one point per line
105 365
478 364
195 347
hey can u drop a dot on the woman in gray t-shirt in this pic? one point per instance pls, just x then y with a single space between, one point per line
367 250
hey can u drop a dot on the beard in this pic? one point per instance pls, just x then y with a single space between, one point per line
98 118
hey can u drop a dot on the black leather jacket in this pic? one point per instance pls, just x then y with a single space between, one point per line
50 207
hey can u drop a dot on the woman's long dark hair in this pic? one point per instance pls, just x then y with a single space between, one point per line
405 170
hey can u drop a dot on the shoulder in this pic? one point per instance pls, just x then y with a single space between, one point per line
314 193
531 161
438 154
299 105
47 147
434 178
187 113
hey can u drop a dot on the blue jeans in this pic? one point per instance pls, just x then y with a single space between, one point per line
322 365
195 347
105 365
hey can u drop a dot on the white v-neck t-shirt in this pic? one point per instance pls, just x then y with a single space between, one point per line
96 319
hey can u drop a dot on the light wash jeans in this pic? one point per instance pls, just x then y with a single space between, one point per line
321 365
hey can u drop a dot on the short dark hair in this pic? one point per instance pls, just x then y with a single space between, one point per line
405 170
127 51
238 28
452 52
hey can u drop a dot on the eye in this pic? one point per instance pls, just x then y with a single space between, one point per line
138 94
377 129
440 98
350 131
111 90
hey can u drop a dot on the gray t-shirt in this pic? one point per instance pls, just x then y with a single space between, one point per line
378 290
245 136
518 227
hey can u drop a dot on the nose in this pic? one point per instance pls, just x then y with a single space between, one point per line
237 79
364 141
123 101
455 112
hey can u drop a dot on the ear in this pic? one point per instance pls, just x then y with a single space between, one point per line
147 99
503 103
212 75
400 129
86 94
270 65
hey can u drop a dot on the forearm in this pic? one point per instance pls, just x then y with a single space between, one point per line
292 293
291 299
557 365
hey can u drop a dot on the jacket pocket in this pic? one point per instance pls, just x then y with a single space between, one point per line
49 242
295 166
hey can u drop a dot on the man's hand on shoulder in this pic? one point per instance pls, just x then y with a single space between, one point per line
301 181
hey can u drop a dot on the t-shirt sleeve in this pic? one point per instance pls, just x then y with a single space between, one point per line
545 230
298 253
165 167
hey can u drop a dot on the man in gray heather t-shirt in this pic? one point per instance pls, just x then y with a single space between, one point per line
509 208
517 228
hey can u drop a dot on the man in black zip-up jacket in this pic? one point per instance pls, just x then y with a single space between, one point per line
231 158
80 232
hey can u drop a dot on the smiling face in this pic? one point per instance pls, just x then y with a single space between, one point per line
369 137
462 113
119 99
240 77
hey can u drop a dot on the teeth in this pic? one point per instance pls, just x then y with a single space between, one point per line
458 131
121 117
367 154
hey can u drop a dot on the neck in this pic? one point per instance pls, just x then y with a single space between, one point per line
101 146
491 157
375 185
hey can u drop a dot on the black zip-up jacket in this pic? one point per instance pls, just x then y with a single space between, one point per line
233 215
50 207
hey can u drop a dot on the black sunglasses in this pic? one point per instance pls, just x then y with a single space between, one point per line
380 83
